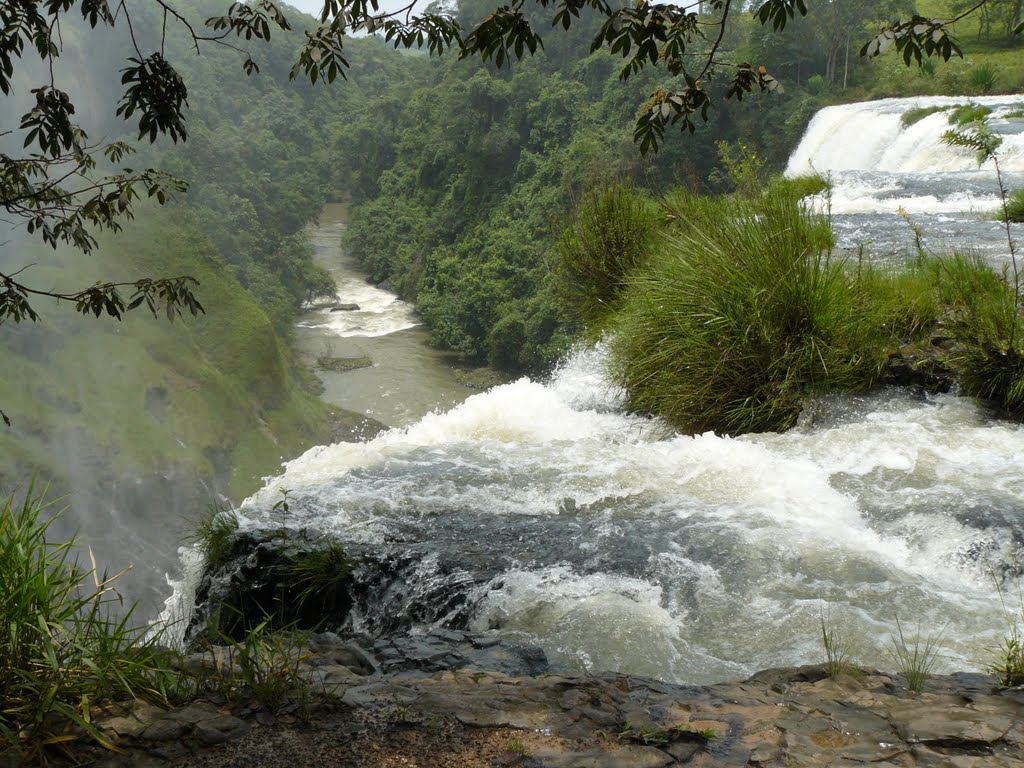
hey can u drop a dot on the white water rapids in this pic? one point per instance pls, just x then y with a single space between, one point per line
879 166
615 544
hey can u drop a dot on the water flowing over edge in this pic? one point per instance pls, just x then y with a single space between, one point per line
616 544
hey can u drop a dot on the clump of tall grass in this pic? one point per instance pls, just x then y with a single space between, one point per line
902 297
983 78
264 664
65 642
838 655
741 316
608 238
1009 664
1015 207
916 115
963 115
914 658
214 534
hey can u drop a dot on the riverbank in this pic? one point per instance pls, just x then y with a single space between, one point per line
412 704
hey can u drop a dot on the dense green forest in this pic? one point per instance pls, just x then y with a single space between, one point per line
125 417
466 197
462 179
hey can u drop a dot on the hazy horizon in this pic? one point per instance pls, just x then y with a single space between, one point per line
313 7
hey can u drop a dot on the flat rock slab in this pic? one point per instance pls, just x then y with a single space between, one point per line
470 718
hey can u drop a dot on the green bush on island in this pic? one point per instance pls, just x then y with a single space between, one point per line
608 239
914 116
741 315
727 313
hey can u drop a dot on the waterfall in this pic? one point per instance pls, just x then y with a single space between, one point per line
871 136
884 168
555 517
616 544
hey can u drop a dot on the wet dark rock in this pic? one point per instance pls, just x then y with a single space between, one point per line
342 364
921 365
344 308
266 580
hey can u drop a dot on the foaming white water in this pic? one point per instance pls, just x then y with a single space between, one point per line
172 623
380 312
881 168
617 544
869 136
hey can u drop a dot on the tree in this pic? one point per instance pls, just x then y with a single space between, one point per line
59 193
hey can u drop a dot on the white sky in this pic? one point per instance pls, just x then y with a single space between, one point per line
313 7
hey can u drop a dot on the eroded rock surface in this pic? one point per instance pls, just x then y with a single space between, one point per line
432 702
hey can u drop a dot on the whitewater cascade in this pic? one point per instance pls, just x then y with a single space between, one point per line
543 511
880 165
616 544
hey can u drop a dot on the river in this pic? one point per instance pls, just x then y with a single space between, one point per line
407 378
542 510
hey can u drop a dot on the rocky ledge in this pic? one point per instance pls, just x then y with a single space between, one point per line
444 701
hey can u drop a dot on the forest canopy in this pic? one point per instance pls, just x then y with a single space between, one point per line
64 185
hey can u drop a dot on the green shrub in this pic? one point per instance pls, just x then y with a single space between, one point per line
983 78
982 317
214 534
264 663
63 647
913 116
742 169
1009 663
741 317
800 186
319 574
817 85
606 242
1015 207
965 114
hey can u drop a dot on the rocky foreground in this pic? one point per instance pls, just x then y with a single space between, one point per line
461 700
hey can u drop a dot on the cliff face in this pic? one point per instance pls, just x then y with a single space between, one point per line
140 424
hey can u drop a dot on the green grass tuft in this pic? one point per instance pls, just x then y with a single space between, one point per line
983 78
1015 207
607 240
914 116
214 534
741 316
965 114
837 649
915 658
66 642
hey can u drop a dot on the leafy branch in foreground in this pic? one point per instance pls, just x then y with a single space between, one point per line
55 193
168 295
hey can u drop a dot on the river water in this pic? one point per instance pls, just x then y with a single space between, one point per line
407 378
879 166
542 510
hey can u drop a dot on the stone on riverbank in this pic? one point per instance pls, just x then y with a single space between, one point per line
410 703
